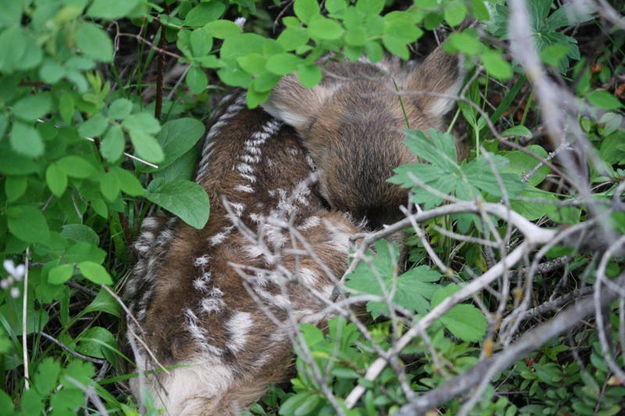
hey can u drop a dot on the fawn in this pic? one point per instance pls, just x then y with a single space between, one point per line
217 303
353 124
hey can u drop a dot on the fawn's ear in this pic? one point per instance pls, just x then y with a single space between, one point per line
440 73
295 104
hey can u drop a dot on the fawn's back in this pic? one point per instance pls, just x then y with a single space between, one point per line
221 301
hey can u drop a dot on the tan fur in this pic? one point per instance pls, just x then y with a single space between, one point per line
227 329
353 123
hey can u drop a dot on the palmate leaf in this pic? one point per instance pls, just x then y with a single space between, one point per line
411 289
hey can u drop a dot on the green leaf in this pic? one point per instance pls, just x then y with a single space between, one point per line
455 13
104 302
111 9
112 146
396 46
241 45
128 182
19 50
60 274
183 198
356 36
201 42
204 13
146 146
25 140
604 100
33 107
320 27
76 167
496 65
253 64
196 80
80 232
14 164
144 122
255 98
335 6
93 127
265 82
177 137
96 342
7 408
47 376
95 273
370 7
465 43
283 63
56 179
293 37
517 131
94 42
14 187
309 75
222 29
306 9
28 224
120 108
465 322
109 186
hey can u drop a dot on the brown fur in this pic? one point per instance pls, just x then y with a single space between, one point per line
353 123
224 371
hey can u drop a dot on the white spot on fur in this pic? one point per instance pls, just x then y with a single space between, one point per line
310 222
238 326
308 276
244 188
201 261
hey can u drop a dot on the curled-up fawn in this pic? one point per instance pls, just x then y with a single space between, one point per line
353 125
216 306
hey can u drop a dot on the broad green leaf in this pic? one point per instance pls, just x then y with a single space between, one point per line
222 29
309 75
14 187
604 100
26 140
112 146
204 13
60 274
200 42
94 42
36 318
356 36
97 342
56 179
177 137
293 37
396 46
321 27
335 6
146 146
28 224
93 127
95 273
76 166
241 45
183 198
465 322
104 302
144 122
521 163
306 9
80 232
13 164
196 80
283 63
109 186
111 9
19 50
455 13
120 108
465 43
517 131
128 183
33 107
496 65
255 98
370 7
253 63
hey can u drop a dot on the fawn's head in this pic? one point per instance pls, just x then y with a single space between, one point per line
352 124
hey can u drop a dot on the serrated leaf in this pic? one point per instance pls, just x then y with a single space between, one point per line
95 272
47 376
183 198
